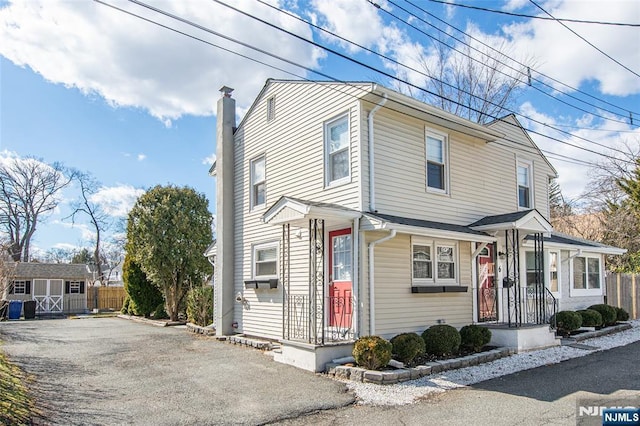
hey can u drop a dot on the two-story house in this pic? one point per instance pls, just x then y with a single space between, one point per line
349 209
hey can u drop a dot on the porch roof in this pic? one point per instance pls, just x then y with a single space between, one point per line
298 212
530 221
563 241
426 228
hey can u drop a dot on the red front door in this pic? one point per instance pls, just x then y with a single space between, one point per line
340 273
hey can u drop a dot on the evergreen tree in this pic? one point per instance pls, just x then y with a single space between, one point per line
142 293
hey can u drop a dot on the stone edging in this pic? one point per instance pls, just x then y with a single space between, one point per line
602 332
158 323
207 331
358 374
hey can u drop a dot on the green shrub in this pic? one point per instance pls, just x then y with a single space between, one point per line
372 352
160 312
441 339
142 292
200 305
590 318
407 346
125 305
567 321
622 315
474 337
609 314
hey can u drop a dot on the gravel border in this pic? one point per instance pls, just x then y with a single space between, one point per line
411 391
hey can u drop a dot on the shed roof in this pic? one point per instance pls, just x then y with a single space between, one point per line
51 270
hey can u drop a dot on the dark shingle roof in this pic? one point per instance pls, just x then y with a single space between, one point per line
427 224
501 218
559 238
51 270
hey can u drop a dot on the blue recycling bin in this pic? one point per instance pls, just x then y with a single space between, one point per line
15 309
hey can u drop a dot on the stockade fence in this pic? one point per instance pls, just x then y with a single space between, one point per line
623 291
105 298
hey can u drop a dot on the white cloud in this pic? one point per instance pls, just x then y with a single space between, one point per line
141 157
66 246
117 200
210 159
133 63
87 232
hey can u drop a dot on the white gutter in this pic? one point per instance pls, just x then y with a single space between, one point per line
372 299
372 196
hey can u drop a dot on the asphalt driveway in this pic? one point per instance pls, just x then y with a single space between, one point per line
106 371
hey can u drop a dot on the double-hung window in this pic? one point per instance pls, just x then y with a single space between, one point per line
586 273
525 187
265 261
336 136
258 182
433 262
19 287
437 162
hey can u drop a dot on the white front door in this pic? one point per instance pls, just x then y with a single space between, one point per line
49 295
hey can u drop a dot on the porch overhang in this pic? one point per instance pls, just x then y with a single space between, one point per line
527 221
298 212
566 242
426 228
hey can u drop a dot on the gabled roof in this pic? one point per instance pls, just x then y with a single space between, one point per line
296 211
211 250
559 240
525 220
426 228
31 270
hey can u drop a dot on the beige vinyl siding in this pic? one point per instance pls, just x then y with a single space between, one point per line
397 310
293 145
482 176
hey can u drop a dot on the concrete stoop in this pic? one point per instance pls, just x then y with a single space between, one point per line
522 339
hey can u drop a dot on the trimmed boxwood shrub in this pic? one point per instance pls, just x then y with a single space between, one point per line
474 337
441 339
372 352
407 346
567 321
622 315
609 314
590 318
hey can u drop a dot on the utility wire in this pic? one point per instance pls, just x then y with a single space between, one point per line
521 146
521 15
586 41
575 89
395 77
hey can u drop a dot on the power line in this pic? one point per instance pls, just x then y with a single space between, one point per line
396 78
522 15
586 41
525 148
575 89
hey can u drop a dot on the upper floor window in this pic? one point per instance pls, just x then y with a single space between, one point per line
265 261
258 182
336 135
271 108
525 189
433 262
437 162
586 273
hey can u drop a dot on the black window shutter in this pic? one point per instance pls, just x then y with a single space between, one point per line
27 287
81 287
12 287
67 285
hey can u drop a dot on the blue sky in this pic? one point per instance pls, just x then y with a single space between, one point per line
134 104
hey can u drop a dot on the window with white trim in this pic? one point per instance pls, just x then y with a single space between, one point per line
265 261
525 186
554 267
586 273
258 182
337 158
74 287
550 277
271 108
437 162
433 261
19 287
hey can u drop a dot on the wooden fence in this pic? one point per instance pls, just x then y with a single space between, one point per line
105 298
623 291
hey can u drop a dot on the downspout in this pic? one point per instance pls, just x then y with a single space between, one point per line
372 196
372 298
356 275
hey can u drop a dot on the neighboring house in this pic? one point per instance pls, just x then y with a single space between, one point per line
349 209
57 288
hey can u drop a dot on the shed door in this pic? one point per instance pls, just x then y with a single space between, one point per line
48 295
340 273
